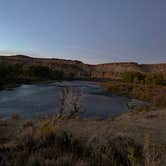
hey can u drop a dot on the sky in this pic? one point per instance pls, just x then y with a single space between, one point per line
93 31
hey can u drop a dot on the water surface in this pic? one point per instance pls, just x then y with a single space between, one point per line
40 100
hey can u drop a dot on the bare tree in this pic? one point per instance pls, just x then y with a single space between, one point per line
70 102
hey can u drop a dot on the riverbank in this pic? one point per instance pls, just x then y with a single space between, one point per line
11 86
127 135
154 94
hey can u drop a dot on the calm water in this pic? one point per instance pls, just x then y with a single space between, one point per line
39 100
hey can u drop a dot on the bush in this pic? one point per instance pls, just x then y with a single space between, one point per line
46 130
133 77
154 94
152 157
27 123
142 78
35 161
13 74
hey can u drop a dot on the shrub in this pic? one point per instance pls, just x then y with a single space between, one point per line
159 99
142 78
46 130
13 74
154 94
133 77
151 155
35 161
28 123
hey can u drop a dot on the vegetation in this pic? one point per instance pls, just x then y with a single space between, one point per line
151 154
11 75
147 79
155 94
147 87
70 102
46 144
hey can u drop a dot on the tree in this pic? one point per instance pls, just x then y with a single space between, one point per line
70 102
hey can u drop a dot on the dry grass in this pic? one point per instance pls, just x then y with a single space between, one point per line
46 144
152 156
155 94
54 141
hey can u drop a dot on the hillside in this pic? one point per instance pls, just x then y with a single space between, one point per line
68 66
110 70
81 70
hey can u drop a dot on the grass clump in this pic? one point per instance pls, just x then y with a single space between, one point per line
27 123
154 94
152 157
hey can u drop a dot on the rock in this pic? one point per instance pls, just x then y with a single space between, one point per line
85 71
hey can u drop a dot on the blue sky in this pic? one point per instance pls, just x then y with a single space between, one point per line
94 31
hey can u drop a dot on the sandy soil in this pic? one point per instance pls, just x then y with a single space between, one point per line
132 124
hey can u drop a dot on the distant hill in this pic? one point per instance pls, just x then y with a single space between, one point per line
69 67
110 70
81 70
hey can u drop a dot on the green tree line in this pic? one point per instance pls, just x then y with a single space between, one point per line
15 73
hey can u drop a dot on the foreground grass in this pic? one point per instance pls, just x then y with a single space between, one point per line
47 144
74 142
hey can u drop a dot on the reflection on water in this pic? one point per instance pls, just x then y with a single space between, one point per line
33 100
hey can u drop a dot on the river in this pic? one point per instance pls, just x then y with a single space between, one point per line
43 99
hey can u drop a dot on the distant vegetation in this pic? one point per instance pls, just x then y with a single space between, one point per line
148 87
148 79
10 75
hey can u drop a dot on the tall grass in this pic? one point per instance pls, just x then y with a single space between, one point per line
46 144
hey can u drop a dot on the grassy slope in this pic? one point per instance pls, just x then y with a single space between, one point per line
135 125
